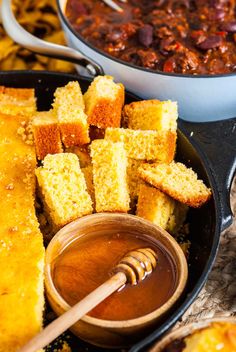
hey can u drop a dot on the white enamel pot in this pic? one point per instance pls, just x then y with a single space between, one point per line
200 98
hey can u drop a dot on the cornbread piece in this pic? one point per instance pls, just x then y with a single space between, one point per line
216 337
151 115
177 218
104 100
63 188
69 108
154 205
46 132
109 176
133 178
160 209
21 243
88 175
178 181
83 155
145 145
15 101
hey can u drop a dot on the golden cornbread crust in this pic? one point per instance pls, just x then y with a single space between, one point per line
47 138
145 145
21 243
106 113
109 162
104 100
17 101
151 115
74 134
178 181
18 94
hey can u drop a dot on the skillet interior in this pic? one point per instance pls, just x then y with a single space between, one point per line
204 222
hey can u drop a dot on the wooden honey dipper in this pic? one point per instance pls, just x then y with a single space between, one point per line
134 267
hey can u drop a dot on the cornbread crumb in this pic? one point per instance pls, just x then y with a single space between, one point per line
63 188
104 100
69 108
145 145
178 181
109 176
151 115
26 132
46 132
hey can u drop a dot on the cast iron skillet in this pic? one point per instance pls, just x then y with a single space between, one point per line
209 148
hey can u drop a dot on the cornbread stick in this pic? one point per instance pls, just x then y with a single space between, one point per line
69 108
63 188
160 209
178 181
46 132
109 176
145 145
151 115
21 243
104 100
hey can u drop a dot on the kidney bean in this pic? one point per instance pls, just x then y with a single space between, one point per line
228 26
211 42
145 35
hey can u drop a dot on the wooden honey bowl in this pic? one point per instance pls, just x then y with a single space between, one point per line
95 243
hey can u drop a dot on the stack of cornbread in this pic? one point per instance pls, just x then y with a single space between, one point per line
130 167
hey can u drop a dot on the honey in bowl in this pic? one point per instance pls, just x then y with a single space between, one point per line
87 262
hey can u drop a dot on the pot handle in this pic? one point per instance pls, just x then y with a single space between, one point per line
217 140
29 41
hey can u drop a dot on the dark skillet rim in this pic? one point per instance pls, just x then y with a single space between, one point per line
201 281
180 75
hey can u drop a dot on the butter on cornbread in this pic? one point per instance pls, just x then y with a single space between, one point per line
176 180
46 132
145 145
151 115
109 162
69 109
104 100
21 243
63 188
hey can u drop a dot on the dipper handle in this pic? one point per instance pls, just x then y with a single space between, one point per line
133 268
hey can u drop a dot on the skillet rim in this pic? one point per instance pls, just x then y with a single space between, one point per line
190 297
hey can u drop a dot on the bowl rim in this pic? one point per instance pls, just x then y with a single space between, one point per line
125 63
188 329
180 286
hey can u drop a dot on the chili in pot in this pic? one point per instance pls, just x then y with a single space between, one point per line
181 36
